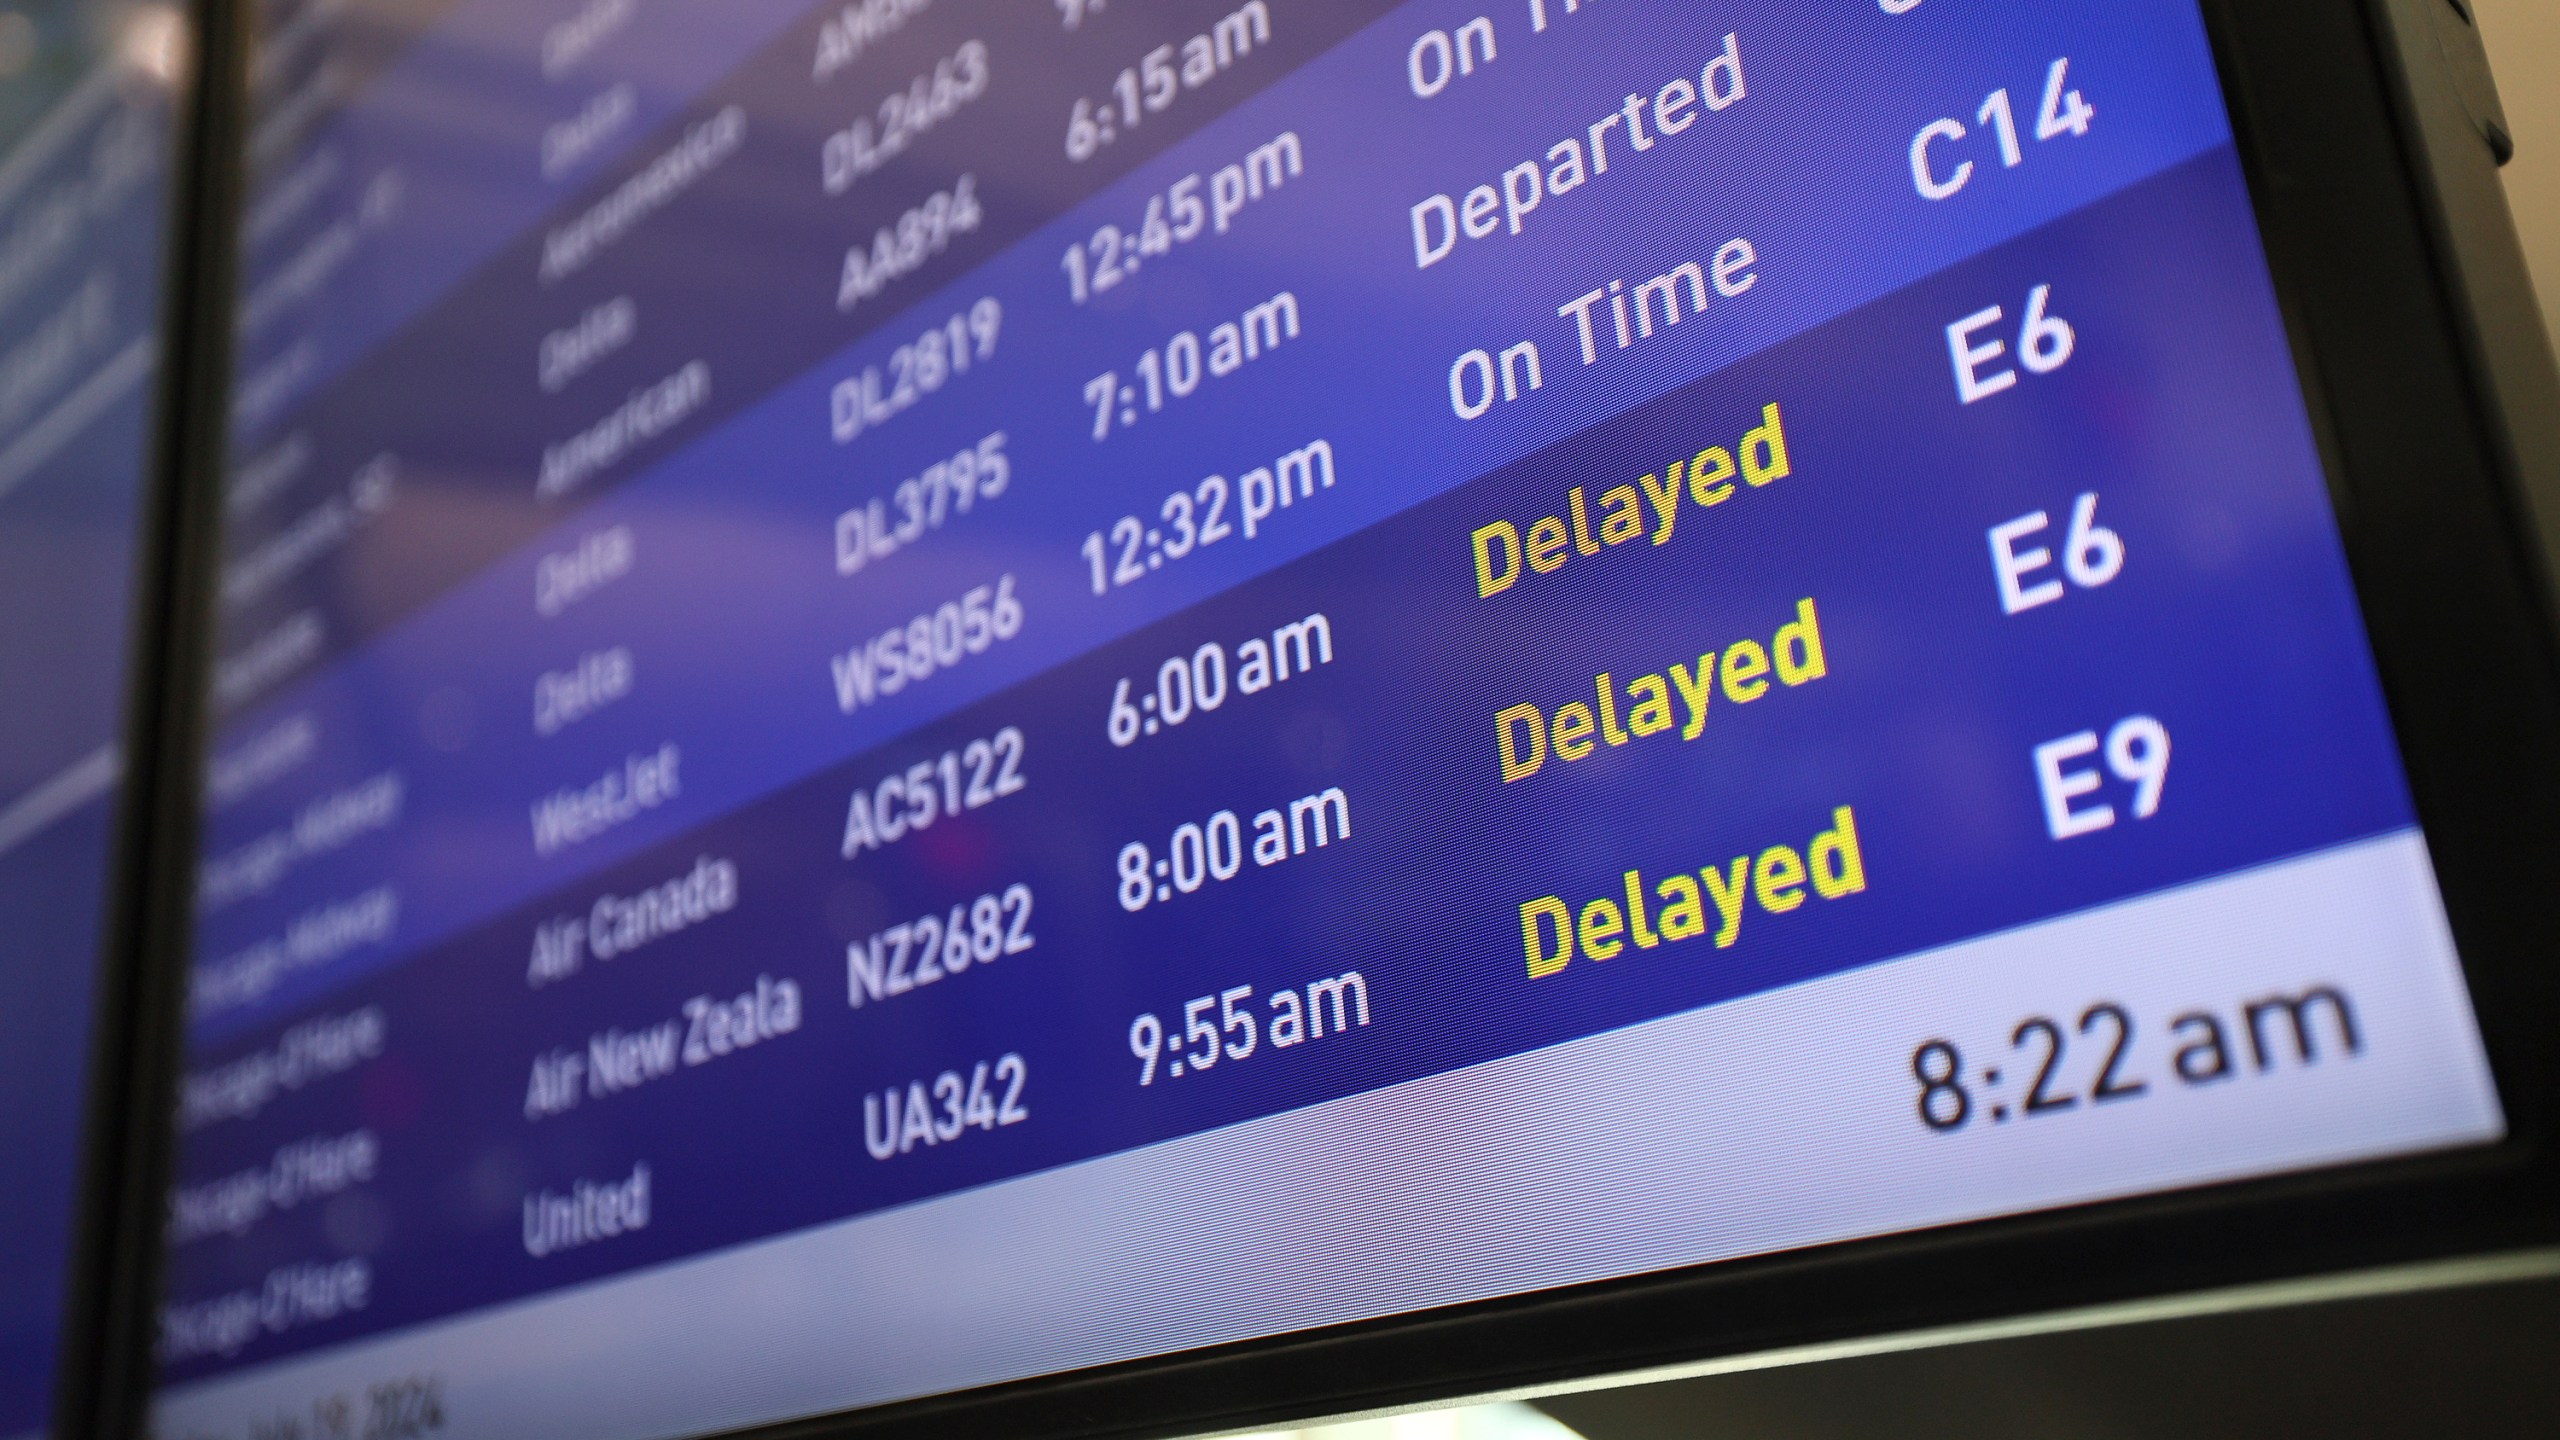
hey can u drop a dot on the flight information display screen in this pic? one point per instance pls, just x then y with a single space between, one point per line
85 119
916 693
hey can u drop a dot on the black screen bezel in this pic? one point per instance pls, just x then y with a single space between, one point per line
2430 489
103 1366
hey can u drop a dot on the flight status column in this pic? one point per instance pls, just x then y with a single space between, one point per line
983 607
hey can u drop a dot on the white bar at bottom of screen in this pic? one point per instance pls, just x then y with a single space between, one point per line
1774 1121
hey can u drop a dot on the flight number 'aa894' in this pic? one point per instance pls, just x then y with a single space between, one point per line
897 252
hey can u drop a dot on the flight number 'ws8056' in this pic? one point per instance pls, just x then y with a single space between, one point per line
934 641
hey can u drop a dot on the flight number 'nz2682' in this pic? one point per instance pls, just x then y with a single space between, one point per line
933 948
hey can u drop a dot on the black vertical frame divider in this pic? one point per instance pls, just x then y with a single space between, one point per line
104 1388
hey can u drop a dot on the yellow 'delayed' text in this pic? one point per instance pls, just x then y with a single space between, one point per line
1670 701
1646 508
1714 900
